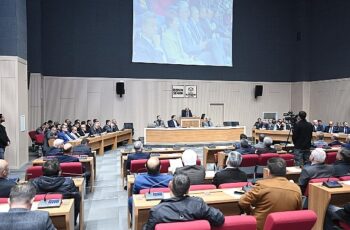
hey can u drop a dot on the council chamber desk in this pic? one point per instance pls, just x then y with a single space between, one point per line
192 135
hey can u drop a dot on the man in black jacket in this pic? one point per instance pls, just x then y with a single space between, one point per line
4 139
302 134
195 172
342 164
335 214
5 184
51 182
181 207
231 173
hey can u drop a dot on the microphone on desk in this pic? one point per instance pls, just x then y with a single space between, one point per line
332 184
155 195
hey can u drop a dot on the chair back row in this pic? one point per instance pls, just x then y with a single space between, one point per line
139 166
68 169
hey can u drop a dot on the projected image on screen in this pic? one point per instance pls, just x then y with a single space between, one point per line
189 32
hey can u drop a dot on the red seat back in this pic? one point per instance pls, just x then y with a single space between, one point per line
39 139
234 185
138 166
188 225
345 226
330 157
289 158
40 197
33 172
198 162
4 200
202 187
291 220
164 166
238 223
249 160
32 135
263 158
71 169
318 180
344 178
146 190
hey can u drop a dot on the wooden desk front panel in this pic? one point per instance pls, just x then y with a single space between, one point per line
192 135
125 135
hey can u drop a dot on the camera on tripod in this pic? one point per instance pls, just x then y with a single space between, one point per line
290 117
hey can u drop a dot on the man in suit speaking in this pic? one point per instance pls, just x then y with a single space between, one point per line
186 112
173 122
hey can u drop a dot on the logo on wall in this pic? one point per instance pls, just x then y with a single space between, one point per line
182 91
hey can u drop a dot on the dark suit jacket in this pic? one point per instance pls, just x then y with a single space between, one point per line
196 173
107 129
5 187
94 131
248 150
326 129
335 143
229 175
171 124
183 113
24 219
266 150
314 171
344 130
302 134
344 213
136 156
320 128
3 137
81 149
341 168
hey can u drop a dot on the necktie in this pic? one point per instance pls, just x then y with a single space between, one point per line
187 113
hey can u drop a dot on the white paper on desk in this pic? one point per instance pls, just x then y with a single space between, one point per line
294 169
347 182
231 192
209 174
174 164
4 208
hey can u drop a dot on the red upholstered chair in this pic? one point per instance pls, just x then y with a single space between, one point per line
4 200
345 226
249 163
234 185
330 157
198 162
318 180
138 166
187 225
344 178
32 135
164 166
33 172
262 162
202 187
40 197
71 169
291 220
146 190
238 223
289 158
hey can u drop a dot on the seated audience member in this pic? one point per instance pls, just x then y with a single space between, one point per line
345 128
274 194
195 172
330 128
108 127
96 129
335 141
50 124
159 122
50 135
75 133
258 124
347 142
336 214
66 156
64 134
320 126
181 207
237 144
173 122
267 148
273 125
56 149
89 125
41 129
260 144
245 148
51 182
20 216
320 143
137 155
342 165
280 125
186 112
317 169
5 183
83 148
115 125
231 173
83 131
207 122
315 125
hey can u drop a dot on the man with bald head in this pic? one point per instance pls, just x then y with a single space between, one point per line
5 184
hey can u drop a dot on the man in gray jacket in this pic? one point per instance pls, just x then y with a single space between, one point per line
19 216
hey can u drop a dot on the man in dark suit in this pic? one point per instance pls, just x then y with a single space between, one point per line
159 122
195 172
317 169
137 155
108 128
342 164
267 148
231 173
320 126
335 141
5 184
335 215
96 129
83 148
19 217
186 112
245 148
4 139
173 122
114 125
345 128
330 128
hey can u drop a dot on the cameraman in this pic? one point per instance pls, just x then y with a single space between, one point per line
302 134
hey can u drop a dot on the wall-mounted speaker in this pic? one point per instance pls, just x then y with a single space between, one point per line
258 91
120 88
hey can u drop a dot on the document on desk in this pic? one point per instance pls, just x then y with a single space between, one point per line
231 192
347 182
174 164
296 169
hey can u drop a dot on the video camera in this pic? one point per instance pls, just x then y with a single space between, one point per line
290 117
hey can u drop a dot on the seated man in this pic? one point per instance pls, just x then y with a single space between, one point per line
115 125
231 173
64 134
237 144
258 124
317 169
347 142
51 182
207 122
5 183
49 135
108 127
56 149
173 122
345 128
335 214
320 143
96 129
274 194
19 217
260 144
83 131
335 141
245 148
181 207
267 148
75 133
186 112
83 148
195 172
341 166
137 155
159 122
330 128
